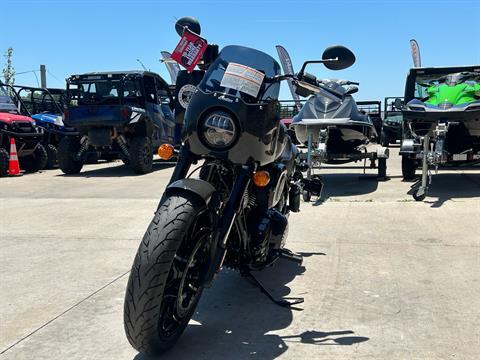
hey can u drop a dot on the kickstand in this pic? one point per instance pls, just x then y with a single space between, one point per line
279 302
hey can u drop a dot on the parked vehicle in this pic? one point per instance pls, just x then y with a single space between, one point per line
441 123
15 122
47 108
121 115
372 108
335 130
235 214
288 110
392 122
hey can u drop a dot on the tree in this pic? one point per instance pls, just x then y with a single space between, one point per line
8 70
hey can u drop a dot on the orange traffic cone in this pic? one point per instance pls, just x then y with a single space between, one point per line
13 164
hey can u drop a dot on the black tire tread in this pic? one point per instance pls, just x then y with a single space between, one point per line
35 162
137 162
408 168
151 268
67 149
4 158
51 156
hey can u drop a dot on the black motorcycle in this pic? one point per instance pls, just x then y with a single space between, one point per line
231 210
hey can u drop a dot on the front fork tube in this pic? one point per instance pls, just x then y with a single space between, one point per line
225 224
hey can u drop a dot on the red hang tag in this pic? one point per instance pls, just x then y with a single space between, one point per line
189 50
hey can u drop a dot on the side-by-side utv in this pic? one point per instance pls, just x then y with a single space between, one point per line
441 121
123 115
392 122
16 123
47 107
372 108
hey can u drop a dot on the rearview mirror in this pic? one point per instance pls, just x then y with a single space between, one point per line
187 22
341 57
398 104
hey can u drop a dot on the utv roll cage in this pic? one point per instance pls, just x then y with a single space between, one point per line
32 104
121 76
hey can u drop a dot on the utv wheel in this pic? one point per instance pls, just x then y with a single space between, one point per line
408 168
51 156
382 168
165 283
67 152
4 157
141 154
35 162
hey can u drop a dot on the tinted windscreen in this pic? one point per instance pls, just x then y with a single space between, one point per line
247 58
425 81
6 103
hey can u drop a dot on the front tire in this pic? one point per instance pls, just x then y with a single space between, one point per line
165 283
35 162
4 158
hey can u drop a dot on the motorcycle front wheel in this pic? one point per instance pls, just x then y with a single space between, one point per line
166 279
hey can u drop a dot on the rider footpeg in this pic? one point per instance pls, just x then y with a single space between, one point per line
290 255
313 186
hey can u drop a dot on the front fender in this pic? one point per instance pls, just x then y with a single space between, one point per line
199 187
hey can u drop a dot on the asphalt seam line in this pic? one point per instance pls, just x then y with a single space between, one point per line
64 312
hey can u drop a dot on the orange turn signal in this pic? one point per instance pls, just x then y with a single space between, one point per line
166 151
261 178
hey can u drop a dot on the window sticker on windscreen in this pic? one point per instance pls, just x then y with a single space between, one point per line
242 78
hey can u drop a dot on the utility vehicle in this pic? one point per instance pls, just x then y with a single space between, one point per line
123 114
15 122
47 108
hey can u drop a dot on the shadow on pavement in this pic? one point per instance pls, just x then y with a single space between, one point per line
117 169
327 338
342 185
451 186
234 319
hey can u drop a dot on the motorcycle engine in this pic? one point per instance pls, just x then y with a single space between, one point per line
270 235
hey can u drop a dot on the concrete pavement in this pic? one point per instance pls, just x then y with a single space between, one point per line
384 277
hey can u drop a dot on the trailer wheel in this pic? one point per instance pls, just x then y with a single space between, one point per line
51 156
307 195
35 162
408 168
382 168
3 162
419 195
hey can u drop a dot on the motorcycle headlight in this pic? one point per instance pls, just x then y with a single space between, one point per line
218 130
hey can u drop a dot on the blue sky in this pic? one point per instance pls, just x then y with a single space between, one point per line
80 36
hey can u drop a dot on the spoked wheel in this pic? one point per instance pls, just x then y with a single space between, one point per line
165 283
184 287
